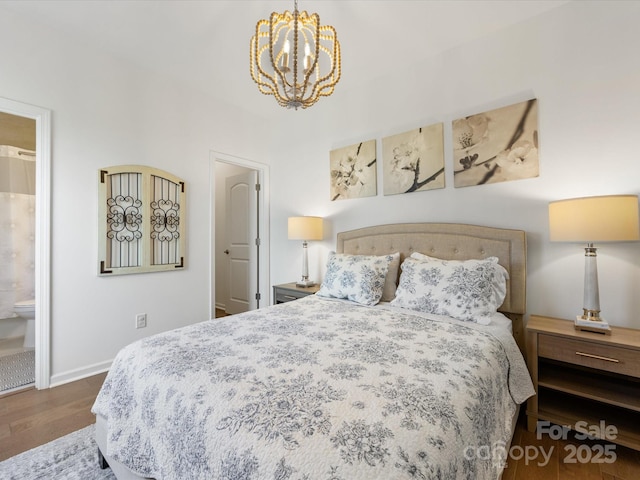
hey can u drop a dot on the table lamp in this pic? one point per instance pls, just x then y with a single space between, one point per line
305 229
612 218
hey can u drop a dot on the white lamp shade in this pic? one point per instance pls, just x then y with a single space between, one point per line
305 228
612 218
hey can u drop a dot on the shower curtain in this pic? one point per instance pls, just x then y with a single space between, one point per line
17 227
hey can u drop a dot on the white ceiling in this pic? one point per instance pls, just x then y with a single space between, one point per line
206 43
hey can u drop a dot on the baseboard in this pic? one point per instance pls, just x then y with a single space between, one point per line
80 373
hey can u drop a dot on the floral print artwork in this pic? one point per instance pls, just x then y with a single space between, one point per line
414 161
496 146
315 389
354 171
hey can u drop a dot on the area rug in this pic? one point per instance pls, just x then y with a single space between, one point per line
73 457
17 369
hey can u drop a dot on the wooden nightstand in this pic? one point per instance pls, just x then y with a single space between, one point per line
289 291
585 378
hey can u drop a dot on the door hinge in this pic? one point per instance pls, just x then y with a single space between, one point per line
257 187
258 296
257 242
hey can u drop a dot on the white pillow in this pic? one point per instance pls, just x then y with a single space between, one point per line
359 278
469 290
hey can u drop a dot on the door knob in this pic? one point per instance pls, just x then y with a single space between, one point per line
226 252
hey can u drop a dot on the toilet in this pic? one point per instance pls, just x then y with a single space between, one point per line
27 310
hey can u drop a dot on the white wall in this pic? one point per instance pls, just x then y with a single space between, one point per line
580 61
107 112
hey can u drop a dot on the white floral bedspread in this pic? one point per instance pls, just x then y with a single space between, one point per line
315 389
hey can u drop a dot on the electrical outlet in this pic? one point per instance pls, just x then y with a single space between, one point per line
141 320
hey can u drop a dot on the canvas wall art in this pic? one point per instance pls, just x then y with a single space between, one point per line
354 171
496 146
414 160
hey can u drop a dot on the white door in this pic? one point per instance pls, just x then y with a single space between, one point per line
243 237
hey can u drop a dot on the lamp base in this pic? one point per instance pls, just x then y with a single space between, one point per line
305 283
599 326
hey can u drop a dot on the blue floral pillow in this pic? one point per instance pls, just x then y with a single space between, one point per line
469 290
359 278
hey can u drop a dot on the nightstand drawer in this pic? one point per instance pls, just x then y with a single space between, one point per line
288 292
288 295
589 354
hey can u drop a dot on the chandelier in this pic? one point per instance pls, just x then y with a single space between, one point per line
295 59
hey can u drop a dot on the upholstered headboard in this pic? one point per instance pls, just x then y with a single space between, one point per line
451 241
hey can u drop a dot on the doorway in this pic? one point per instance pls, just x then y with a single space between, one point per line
12 113
240 240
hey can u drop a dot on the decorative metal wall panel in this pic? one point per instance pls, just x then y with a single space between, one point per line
141 220
124 220
165 221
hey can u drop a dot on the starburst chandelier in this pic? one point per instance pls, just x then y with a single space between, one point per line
295 59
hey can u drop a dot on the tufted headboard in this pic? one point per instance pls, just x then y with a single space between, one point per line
452 241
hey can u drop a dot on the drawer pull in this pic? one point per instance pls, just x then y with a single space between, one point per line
608 359
290 297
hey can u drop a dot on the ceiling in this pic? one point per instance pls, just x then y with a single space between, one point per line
205 44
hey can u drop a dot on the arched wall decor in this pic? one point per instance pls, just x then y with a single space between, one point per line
141 220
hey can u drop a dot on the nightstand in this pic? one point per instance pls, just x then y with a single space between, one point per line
290 291
585 380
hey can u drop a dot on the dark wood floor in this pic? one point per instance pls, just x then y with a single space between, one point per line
34 417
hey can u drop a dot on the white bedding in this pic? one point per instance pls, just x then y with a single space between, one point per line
316 389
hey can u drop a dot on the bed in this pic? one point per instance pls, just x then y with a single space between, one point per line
332 388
